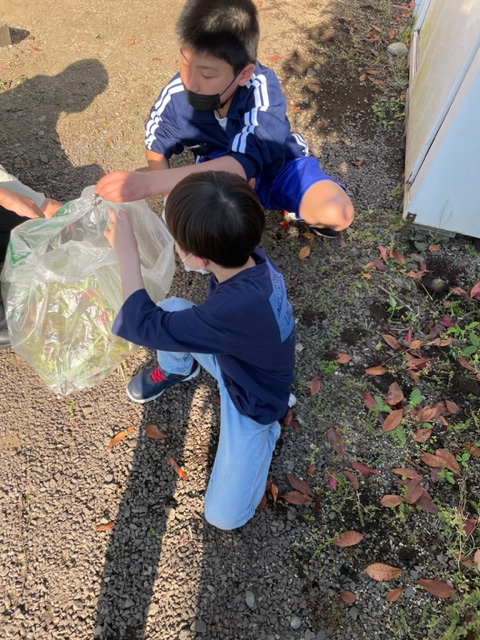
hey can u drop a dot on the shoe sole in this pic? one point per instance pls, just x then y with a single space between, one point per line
194 374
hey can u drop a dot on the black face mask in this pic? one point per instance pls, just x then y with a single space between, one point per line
204 102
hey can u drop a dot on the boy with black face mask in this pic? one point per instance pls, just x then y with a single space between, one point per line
230 110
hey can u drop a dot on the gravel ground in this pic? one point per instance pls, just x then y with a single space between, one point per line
74 90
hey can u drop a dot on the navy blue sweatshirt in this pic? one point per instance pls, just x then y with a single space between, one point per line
246 321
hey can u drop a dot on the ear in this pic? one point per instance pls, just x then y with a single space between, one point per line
246 74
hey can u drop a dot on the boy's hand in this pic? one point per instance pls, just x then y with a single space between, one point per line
50 207
123 186
120 234
19 204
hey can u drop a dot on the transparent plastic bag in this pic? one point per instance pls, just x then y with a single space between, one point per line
61 289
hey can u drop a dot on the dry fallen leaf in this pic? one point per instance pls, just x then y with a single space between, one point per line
343 358
131 41
380 571
437 587
369 400
274 492
304 252
335 440
433 461
476 559
152 431
177 468
415 490
299 484
315 385
120 436
405 471
107 526
394 394
393 419
353 479
376 371
362 468
450 461
422 435
348 539
348 596
391 500
263 502
391 341
394 594
296 497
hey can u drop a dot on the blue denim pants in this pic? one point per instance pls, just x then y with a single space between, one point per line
245 447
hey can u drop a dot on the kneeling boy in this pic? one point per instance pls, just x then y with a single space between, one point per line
243 333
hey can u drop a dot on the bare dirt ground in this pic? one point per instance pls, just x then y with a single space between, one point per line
74 90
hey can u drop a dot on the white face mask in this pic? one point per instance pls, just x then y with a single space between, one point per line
187 268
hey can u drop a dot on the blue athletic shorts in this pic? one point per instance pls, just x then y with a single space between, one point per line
285 190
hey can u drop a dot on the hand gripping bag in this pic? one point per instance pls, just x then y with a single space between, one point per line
61 289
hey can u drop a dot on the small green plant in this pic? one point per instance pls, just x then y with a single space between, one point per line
397 191
71 407
389 110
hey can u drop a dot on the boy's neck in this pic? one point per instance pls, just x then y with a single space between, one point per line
223 273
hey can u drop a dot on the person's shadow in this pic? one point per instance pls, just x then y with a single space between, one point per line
29 112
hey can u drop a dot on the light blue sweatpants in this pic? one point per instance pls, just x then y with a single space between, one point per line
245 447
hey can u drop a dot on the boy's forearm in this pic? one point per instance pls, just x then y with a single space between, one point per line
162 182
156 161
130 273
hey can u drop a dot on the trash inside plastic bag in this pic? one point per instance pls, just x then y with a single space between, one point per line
61 289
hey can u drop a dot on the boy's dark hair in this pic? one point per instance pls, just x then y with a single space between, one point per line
217 216
225 29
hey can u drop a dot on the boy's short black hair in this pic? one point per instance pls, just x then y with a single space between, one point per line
217 216
224 29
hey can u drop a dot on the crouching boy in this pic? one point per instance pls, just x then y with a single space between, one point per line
243 334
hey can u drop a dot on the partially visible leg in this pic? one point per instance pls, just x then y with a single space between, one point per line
240 471
326 204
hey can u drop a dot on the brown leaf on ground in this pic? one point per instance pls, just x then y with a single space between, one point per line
177 468
274 492
422 435
393 419
476 559
437 587
304 252
335 440
415 490
452 407
318 503
434 247
465 363
298 484
470 526
368 400
348 596
394 594
343 358
426 414
152 431
450 461
383 252
392 341
416 344
120 436
398 256
391 500
362 468
381 572
296 497
348 539
311 470
315 385
376 371
475 291
433 461
263 502
426 502
353 479
473 449
394 394
459 291
131 41
407 472
107 526
287 421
